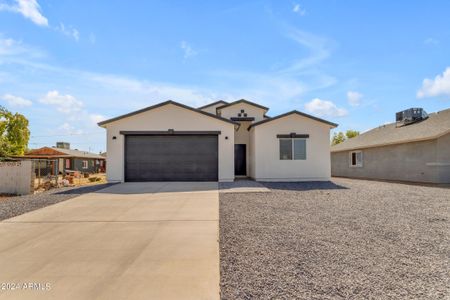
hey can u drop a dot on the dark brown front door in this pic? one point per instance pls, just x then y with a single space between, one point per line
240 161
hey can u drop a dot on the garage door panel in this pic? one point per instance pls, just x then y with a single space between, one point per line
171 158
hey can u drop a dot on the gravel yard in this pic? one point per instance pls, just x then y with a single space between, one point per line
350 239
17 205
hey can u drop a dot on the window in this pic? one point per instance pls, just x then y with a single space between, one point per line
285 149
292 149
356 159
67 163
85 164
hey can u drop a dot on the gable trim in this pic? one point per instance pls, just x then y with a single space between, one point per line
290 113
243 101
211 104
163 104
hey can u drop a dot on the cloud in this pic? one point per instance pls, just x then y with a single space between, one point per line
68 31
95 118
29 9
92 38
11 48
439 86
157 91
324 108
187 50
64 103
67 128
16 101
431 41
354 98
319 49
298 9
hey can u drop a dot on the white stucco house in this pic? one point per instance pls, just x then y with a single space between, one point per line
220 141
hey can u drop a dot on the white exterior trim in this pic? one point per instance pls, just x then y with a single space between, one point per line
357 165
263 150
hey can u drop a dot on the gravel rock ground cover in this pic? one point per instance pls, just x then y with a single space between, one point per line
350 239
14 206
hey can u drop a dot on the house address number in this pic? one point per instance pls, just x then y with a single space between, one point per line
10 164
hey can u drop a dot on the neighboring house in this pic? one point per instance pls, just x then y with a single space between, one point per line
220 141
59 159
411 149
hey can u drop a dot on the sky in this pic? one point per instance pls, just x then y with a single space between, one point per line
67 65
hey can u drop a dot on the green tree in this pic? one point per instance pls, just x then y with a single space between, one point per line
14 133
351 133
338 137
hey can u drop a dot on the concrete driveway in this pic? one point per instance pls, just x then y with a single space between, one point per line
128 241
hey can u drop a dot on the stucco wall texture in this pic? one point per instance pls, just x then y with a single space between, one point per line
163 118
16 177
265 152
424 161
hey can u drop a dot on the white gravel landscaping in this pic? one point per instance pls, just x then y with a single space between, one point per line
349 239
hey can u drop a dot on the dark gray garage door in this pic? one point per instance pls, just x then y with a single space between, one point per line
171 158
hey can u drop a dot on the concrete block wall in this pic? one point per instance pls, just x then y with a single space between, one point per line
16 177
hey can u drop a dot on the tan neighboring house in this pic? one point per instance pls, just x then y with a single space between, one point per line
416 151
217 142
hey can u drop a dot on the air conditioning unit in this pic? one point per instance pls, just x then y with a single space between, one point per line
410 116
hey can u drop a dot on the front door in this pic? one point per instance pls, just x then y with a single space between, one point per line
240 161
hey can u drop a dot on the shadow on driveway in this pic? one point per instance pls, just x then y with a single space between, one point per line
85 189
304 186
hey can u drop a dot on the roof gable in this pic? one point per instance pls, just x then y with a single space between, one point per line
436 125
212 104
291 113
45 151
243 101
163 104
60 152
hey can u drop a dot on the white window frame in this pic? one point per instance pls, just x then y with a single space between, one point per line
85 164
292 148
358 164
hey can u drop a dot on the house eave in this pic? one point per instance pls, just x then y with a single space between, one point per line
333 125
103 123
387 144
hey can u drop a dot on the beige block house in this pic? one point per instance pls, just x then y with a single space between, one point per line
217 142
417 152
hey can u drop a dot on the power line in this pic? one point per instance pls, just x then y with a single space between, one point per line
71 134
85 143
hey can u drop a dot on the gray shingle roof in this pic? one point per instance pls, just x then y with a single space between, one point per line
78 153
436 125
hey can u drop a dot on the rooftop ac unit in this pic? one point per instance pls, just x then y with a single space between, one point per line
410 116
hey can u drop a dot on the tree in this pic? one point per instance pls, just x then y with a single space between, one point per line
339 137
351 133
14 133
